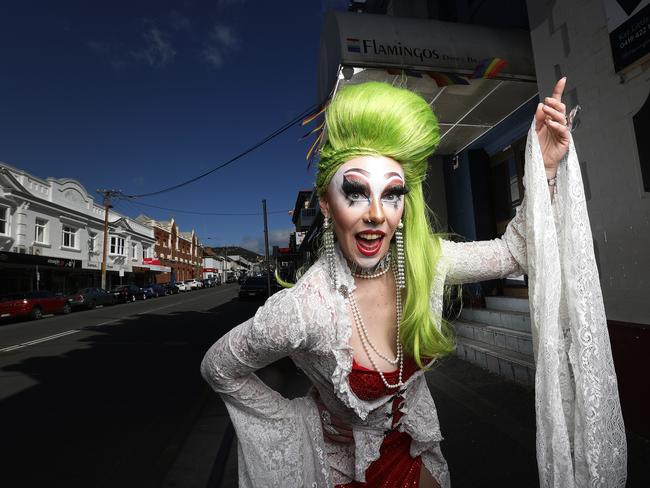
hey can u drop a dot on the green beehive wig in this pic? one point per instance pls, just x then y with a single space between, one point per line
377 119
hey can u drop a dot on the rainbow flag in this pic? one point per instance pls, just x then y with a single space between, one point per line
489 68
446 79
353 45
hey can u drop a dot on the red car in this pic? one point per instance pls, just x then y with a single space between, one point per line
32 304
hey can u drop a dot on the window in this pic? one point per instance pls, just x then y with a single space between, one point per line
4 220
117 245
92 242
69 237
40 231
134 250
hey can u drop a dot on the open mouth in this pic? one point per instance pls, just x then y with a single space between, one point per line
369 242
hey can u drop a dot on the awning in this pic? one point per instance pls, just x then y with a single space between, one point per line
156 267
409 52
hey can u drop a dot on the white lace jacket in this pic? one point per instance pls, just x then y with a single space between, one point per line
281 443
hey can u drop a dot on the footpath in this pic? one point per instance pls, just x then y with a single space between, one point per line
488 425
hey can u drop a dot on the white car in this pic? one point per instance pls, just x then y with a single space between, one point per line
181 286
192 284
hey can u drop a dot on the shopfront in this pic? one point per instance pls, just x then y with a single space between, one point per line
475 176
26 272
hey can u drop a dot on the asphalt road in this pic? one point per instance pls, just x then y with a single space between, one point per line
101 398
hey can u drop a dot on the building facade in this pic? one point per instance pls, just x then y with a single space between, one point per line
176 250
475 177
52 234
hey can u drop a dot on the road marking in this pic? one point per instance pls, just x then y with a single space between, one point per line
89 327
37 341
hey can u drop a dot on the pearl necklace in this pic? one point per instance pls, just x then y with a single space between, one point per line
380 269
366 342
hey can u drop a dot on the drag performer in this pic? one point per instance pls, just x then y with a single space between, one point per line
364 322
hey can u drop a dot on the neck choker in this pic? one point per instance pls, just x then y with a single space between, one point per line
379 269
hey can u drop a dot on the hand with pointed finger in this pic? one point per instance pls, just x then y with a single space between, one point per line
552 130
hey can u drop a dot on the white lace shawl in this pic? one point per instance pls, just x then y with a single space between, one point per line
580 434
280 442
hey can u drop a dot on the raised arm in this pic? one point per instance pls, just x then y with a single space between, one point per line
498 258
468 262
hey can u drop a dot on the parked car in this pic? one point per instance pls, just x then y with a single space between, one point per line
208 283
33 304
256 287
171 289
156 290
148 292
231 279
91 297
128 293
181 286
242 279
192 284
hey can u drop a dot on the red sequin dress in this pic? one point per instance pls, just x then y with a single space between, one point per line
395 467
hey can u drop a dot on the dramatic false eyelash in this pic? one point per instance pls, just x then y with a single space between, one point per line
350 187
398 190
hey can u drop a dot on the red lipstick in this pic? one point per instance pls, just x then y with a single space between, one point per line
369 247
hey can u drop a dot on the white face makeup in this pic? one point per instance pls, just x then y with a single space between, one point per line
365 198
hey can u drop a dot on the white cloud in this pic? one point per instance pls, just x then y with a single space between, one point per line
222 41
277 237
158 50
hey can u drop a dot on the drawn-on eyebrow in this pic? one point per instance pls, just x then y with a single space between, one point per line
358 170
393 174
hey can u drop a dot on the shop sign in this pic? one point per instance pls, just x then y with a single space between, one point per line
19 258
155 261
629 32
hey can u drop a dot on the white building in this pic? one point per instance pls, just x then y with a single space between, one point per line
51 236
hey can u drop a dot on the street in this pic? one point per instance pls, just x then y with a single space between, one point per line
102 398
113 397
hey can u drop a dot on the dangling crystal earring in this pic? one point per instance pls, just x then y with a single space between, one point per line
328 242
399 244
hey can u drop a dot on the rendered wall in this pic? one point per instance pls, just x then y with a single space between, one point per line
571 38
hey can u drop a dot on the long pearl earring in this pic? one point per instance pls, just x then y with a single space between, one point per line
401 266
328 244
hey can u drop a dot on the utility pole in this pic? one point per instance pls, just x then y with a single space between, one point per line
266 250
107 205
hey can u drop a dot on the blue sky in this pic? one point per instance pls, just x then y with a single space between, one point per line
139 96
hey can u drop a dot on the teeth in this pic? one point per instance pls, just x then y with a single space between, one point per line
370 237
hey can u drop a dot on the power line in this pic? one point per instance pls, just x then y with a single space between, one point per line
232 214
274 134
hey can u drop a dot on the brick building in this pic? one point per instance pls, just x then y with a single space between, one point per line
178 250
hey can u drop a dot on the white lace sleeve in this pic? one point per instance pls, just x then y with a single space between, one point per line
275 331
580 432
469 262
279 440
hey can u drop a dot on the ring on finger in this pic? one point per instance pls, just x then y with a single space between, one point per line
327 423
